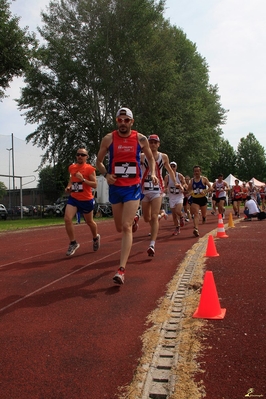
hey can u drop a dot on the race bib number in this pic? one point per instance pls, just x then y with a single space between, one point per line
198 191
125 169
149 186
174 190
77 187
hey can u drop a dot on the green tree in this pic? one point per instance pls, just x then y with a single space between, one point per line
251 161
225 160
192 116
100 55
3 190
15 47
52 181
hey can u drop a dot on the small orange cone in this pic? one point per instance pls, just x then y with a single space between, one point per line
220 228
209 305
211 249
231 222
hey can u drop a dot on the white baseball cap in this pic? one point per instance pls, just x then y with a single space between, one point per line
125 111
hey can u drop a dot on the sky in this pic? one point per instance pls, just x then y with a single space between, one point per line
229 34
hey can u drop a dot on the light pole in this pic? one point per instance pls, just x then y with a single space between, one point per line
9 149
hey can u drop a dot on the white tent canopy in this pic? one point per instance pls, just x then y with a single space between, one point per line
256 182
230 180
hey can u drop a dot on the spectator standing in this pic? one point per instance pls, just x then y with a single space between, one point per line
263 196
252 190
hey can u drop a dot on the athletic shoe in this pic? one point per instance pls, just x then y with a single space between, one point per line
196 232
203 220
182 223
223 215
135 224
213 213
176 231
72 249
96 243
238 215
164 215
186 220
119 277
151 250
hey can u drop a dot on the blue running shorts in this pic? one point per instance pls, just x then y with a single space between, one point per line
82 206
123 194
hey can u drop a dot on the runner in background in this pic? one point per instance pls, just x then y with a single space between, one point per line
199 186
214 206
244 190
176 197
186 205
236 195
220 187
153 193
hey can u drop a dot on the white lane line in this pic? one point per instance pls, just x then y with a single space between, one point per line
42 254
61 278
56 281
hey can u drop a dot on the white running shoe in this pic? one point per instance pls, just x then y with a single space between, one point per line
151 250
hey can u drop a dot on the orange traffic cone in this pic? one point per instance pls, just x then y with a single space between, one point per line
220 228
211 249
230 221
209 305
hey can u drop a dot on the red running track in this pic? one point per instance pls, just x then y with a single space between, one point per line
66 330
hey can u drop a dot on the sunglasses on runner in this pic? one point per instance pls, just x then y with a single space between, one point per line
123 120
81 155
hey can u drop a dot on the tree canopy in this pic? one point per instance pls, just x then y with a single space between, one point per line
250 161
52 181
15 47
99 55
3 189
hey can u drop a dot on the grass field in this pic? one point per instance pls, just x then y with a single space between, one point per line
25 223
18 224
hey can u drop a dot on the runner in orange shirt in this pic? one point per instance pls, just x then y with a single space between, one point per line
82 181
236 197
244 190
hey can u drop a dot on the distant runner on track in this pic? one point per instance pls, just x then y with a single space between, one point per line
198 187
